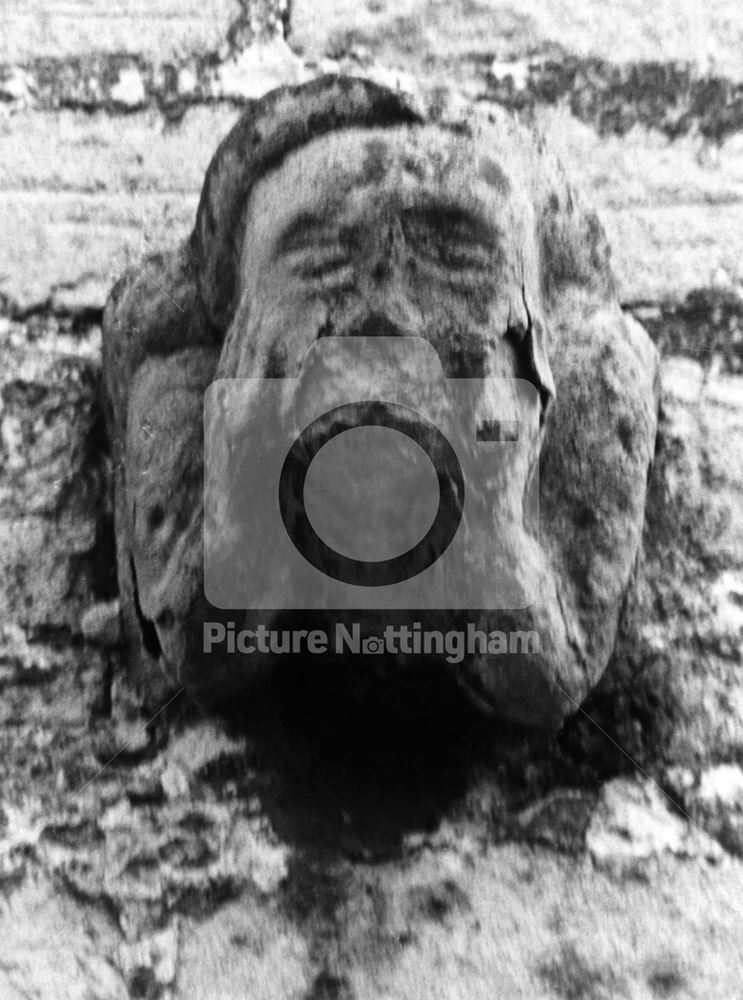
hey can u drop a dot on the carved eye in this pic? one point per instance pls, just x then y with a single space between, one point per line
313 252
446 249
450 246
322 263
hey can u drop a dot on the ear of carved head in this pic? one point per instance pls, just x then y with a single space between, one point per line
600 433
153 310
601 437
163 510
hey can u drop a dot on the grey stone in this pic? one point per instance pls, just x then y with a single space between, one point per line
595 369
52 484
101 623
717 804
634 822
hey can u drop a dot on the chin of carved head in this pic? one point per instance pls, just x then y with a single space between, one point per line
414 324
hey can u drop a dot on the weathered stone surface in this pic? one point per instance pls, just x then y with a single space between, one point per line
152 962
551 310
675 242
111 189
50 953
707 327
68 247
52 483
198 897
100 623
634 822
659 203
672 98
457 913
700 560
674 691
121 83
442 37
81 196
165 30
715 800
240 55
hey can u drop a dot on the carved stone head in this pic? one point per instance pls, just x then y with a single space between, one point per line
336 224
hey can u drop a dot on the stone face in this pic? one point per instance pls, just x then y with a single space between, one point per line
536 302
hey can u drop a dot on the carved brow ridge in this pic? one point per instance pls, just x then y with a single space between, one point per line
309 231
305 232
454 222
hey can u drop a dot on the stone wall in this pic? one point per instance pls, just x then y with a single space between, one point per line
104 146
109 114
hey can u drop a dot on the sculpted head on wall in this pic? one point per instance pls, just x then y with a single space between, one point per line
354 267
